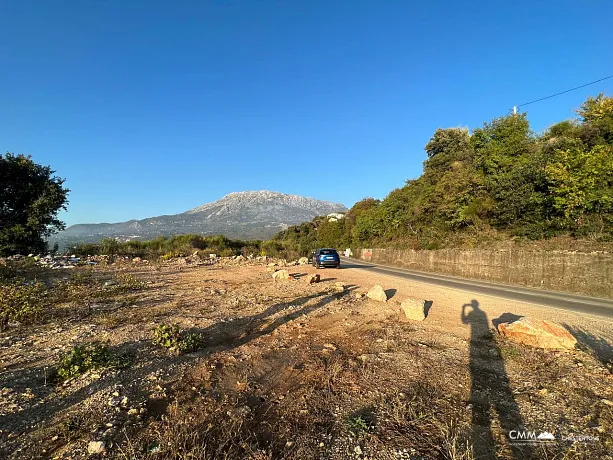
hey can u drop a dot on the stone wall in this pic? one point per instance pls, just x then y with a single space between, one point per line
574 272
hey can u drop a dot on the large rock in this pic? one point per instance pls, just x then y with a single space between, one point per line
280 275
303 261
312 279
377 293
414 309
537 333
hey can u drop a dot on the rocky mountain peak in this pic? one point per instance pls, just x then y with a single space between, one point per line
243 215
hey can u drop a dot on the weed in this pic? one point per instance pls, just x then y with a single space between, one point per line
166 335
173 338
83 358
357 425
509 351
21 301
127 282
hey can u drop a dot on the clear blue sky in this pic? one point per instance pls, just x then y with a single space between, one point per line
154 107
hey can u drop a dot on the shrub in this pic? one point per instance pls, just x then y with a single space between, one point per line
127 282
173 338
20 301
82 358
357 425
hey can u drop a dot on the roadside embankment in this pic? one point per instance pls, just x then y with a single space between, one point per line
585 273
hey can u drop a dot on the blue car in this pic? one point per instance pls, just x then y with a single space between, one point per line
325 257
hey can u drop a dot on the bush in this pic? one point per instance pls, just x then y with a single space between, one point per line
82 358
20 301
127 282
173 338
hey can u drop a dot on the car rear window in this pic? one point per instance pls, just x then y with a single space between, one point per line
328 252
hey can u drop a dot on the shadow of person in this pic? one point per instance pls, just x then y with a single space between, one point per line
490 389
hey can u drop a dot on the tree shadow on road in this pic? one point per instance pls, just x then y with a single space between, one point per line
490 388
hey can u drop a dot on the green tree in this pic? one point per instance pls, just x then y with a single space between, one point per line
30 199
505 150
582 186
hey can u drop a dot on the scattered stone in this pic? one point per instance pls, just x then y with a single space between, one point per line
137 260
377 293
339 286
312 279
537 333
414 309
359 295
280 275
303 261
96 447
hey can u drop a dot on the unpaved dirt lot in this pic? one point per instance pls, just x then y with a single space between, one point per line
292 370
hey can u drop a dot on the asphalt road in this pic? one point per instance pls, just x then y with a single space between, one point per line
579 304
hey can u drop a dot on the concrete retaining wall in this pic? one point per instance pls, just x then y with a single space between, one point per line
574 272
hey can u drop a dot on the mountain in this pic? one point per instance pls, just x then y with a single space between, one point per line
239 215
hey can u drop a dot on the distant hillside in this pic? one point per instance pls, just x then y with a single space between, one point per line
239 215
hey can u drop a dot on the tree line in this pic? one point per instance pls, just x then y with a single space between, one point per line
499 181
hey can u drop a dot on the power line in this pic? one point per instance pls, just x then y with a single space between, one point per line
562 92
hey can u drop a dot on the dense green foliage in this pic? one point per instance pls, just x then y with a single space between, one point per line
30 199
500 180
177 245
183 245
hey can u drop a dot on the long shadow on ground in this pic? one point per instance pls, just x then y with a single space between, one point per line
490 388
220 336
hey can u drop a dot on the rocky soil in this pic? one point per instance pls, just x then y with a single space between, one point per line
297 368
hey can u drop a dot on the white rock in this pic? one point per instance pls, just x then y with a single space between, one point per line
377 293
414 309
96 447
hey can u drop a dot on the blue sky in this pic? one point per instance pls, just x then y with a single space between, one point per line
154 107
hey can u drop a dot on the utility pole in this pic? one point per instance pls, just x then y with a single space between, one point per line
514 110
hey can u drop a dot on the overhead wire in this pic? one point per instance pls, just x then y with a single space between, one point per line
562 92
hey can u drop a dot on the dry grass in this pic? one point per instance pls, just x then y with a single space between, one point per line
285 371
